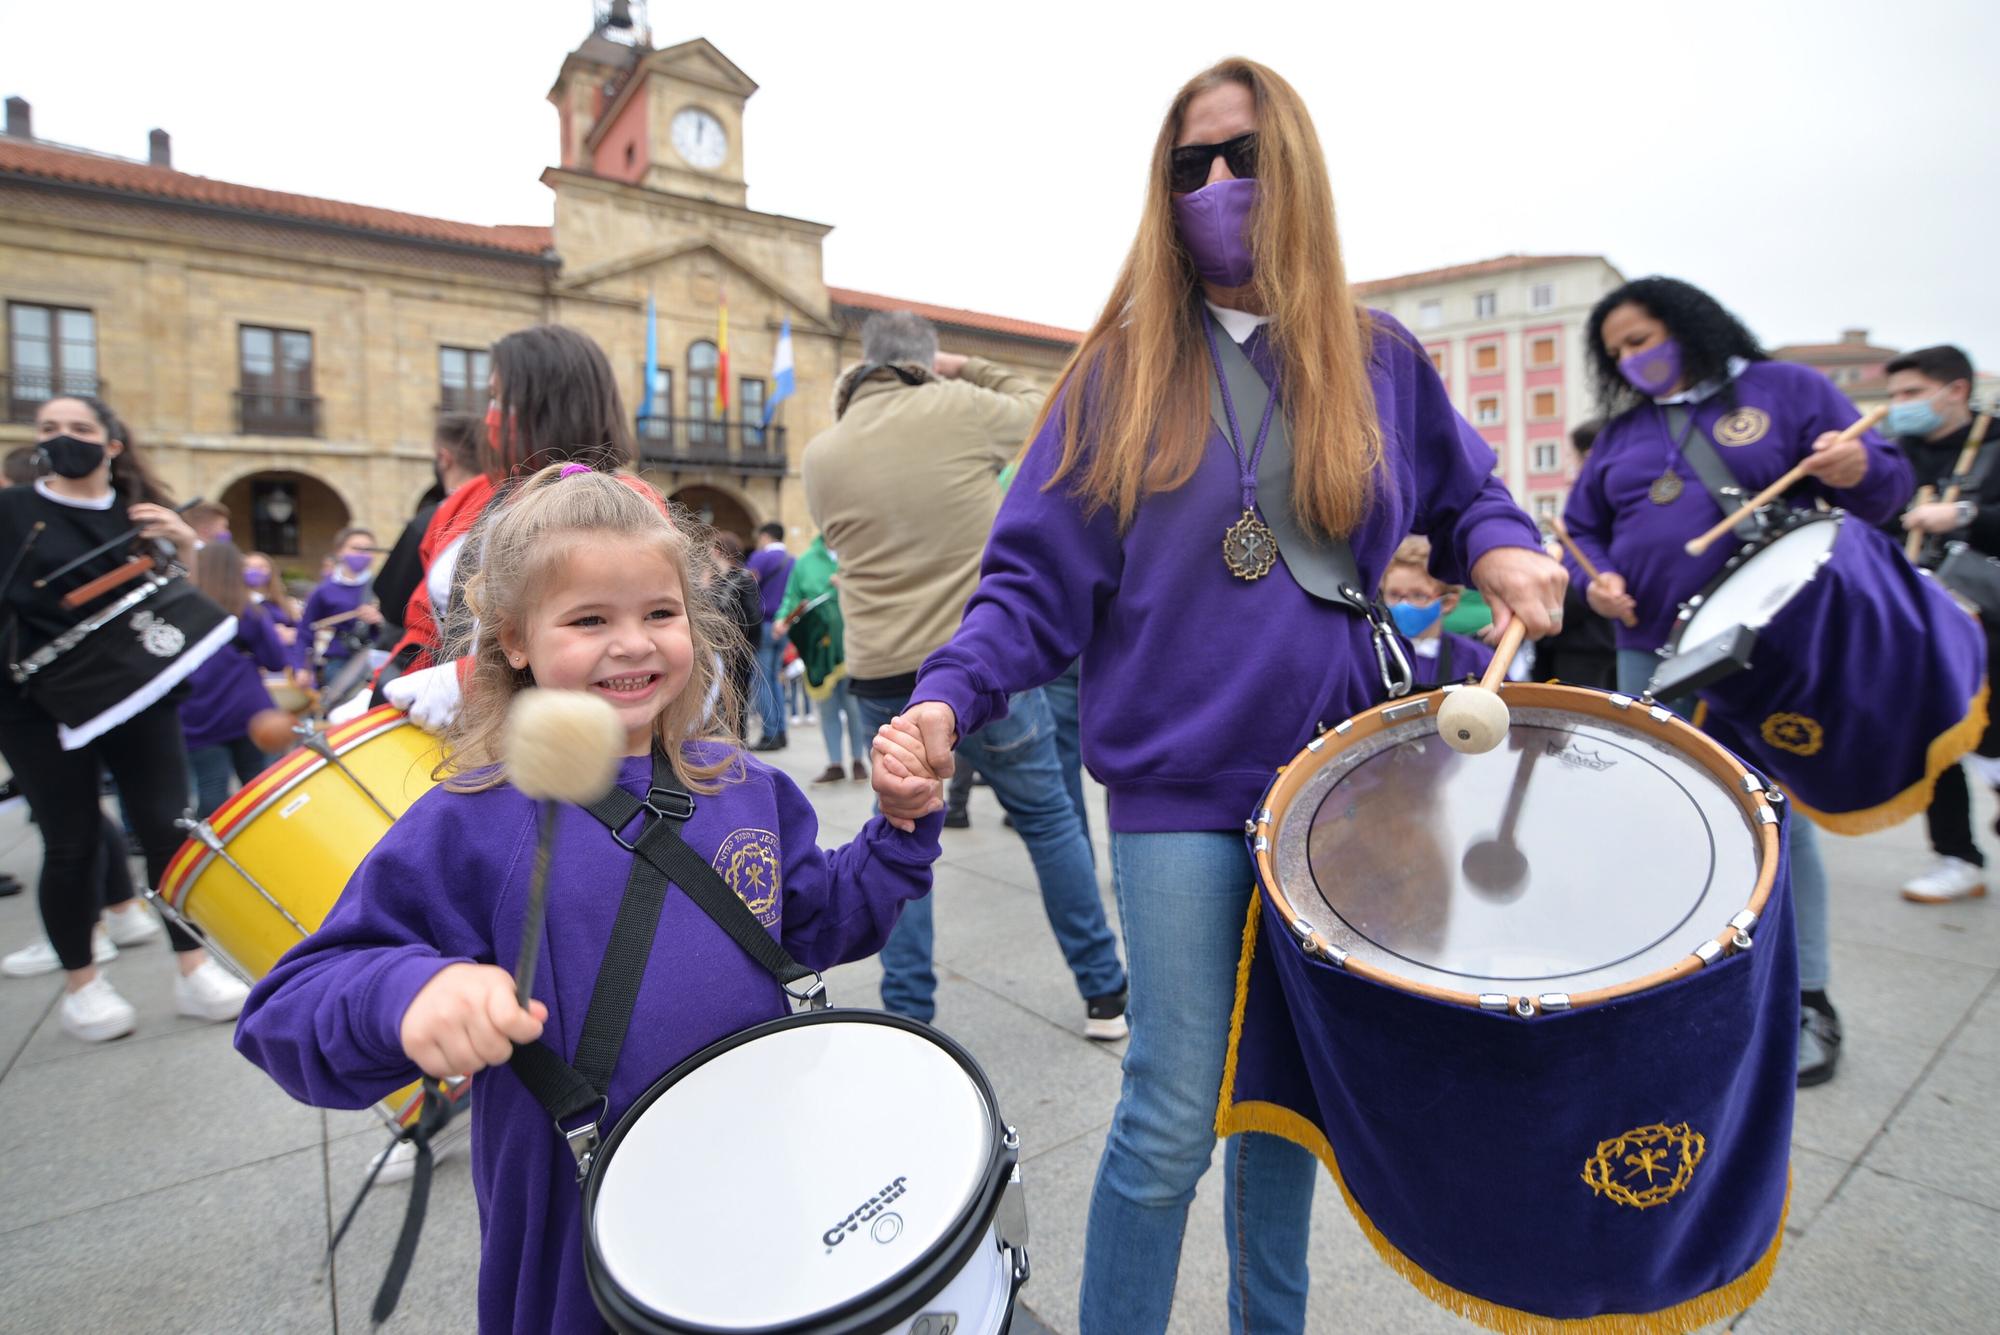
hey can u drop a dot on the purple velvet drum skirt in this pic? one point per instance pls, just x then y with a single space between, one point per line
1535 1010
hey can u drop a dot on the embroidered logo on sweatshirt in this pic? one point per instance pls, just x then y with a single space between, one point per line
748 862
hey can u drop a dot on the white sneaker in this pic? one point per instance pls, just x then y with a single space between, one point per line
1948 879
209 993
134 927
40 958
401 1155
95 1012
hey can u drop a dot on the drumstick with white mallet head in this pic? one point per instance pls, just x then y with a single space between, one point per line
559 746
1696 546
1474 718
1582 561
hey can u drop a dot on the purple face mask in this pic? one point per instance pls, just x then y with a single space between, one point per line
256 577
1215 228
357 562
1654 371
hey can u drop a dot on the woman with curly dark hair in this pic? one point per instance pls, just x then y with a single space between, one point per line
1676 373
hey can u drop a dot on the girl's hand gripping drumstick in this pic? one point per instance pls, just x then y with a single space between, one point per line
1474 719
560 746
1771 493
1582 561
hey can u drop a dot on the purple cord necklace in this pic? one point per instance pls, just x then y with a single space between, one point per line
1248 547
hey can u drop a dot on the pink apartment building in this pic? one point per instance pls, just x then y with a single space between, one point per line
1506 335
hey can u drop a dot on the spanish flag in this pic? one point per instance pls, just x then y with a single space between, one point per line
722 354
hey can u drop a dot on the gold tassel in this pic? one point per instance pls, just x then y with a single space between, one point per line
1944 752
1233 1118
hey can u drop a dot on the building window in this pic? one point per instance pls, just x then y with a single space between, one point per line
1542 297
51 350
1545 509
1544 457
1486 410
462 380
1485 305
656 418
1542 406
705 425
1542 350
275 396
1430 314
1486 357
1440 362
750 411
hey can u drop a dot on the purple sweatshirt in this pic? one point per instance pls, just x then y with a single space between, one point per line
326 1022
331 598
229 688
772 565
1197 685
1779 411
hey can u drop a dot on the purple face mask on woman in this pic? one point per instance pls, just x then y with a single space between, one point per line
357 562
1654 371
256 577
1215 227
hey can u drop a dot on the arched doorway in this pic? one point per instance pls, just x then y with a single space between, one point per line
290 517
717 509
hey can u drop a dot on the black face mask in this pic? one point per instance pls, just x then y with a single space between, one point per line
70 457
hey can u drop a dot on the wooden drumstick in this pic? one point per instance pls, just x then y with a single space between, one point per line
1913 545
105 583
1582 561
1697 546
1474 719
339 617
1974 438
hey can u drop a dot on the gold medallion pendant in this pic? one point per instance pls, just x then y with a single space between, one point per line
1666 488
1248 548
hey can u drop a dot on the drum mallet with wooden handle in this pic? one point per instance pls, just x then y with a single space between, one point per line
1696 546
1914 544
1582 561
1474 719
560 746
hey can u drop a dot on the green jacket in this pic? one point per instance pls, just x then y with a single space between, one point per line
818 632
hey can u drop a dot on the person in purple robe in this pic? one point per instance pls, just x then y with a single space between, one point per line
584 584
1669 361
1137 536
344 602
228 690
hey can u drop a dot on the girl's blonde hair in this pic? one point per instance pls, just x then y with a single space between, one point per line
527 535
1145 362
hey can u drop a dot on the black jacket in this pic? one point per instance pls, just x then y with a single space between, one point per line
1932 462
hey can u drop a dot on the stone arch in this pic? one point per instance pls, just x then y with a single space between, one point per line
720 506
289 513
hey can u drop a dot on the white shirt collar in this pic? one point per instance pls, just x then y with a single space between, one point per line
341 575
1707 388
1428 646
104 502
1239 325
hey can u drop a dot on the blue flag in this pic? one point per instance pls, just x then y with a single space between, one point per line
781 373
652 376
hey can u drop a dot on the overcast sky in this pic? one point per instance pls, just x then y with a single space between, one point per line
1815 165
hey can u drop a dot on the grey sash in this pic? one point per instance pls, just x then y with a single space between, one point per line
1717 478
1324 566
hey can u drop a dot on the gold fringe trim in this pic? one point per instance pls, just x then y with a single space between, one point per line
1945 750
1232 1118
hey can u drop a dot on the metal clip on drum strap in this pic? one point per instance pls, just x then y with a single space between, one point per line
1397 675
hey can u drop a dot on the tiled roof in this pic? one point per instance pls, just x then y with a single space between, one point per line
997 324
1476 269
22 158
1810 352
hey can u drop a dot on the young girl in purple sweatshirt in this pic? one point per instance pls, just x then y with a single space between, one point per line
585 585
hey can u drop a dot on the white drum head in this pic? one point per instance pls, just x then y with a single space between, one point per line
791 1174
1768 579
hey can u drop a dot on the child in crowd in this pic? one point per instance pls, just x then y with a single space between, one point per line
1419 602
228 690
583 585
268 591
345 592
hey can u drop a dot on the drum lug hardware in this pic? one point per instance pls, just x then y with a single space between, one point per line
1774 795
1554 1001
1752 784
1524 1007
1011 1221
1494 1001
1766 816
1262 845
1342 728
1264 816
1745 920
1621 701
1249 827
1315 744
1708 952
1319 729
1333 953
1304 930
1741 940
1661 714
1394 713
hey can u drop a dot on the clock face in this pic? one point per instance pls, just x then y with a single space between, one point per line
699 138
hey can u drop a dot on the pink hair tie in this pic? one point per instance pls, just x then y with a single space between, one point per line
571 470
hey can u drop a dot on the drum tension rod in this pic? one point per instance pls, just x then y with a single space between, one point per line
314 740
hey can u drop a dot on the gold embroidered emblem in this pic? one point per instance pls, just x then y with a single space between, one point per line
1745 426
1647 1166
1795 733
748 862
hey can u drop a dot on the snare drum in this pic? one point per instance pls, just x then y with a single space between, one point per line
265 868
1835 666
885 1197
1536 1009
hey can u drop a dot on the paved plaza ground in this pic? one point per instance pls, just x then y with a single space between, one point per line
160 1183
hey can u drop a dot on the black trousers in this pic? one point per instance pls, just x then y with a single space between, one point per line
149 760
1950 818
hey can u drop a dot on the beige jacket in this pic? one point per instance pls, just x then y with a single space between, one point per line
904 488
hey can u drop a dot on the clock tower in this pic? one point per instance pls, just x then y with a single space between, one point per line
669 120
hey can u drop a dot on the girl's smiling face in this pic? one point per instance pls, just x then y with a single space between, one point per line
612 621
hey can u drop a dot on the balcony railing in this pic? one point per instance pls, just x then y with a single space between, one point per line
25 391
270 413
704 442
471 401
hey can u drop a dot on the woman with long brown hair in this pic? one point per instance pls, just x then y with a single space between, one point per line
1204 594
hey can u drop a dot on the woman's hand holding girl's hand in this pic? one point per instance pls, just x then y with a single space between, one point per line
157 521
905 783
466 1019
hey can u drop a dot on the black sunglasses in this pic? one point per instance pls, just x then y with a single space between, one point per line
1187 168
